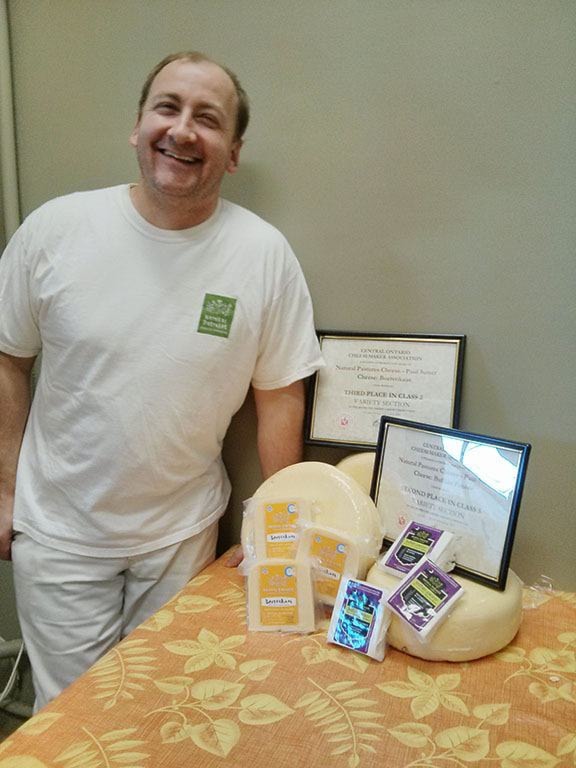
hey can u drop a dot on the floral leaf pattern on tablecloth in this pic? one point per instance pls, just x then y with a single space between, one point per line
199 581
40 723
465 744
218 736
235 597
113 747
567 746
158 621
492 714
118 676
427 693
215 694
345 717
191 716
194 604
316 651
207 692
182 603
412 734
207 650
551 671
262 709
257 669
520 754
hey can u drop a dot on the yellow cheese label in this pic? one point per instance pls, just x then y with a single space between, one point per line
280 521
330 555
278 595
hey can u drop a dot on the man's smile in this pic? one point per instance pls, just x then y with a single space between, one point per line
175 156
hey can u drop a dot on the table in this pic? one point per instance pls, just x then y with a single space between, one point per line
191 687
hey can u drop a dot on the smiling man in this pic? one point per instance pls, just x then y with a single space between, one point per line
156 306
186 139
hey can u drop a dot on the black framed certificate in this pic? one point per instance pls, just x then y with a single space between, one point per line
367 376
467 484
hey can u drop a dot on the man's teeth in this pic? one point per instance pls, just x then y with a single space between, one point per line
179 157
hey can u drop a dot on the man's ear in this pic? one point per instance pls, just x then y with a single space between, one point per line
234 156
133 138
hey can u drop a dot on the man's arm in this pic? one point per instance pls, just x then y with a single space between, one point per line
15 406
280 415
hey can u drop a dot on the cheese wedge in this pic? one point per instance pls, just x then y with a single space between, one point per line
482 622
274 528
331 555
280 597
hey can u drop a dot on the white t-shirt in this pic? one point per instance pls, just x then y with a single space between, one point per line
150 339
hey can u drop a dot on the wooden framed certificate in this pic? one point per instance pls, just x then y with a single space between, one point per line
367 376
467 484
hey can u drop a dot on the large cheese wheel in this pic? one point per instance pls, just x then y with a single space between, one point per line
481 622
359 466
337 502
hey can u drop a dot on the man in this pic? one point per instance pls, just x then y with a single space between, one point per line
156 306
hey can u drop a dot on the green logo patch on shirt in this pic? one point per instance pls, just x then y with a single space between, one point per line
217 315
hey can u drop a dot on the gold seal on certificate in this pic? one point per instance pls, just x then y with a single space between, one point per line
368 376
469 485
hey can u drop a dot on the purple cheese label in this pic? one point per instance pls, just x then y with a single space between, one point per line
357 616
414 543
423 595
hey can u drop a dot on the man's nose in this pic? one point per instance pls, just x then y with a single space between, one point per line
182 130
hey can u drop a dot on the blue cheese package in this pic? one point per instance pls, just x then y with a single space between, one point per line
360 618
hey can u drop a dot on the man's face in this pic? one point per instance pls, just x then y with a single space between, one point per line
184 137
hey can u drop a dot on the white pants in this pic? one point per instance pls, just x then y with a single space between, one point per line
73 608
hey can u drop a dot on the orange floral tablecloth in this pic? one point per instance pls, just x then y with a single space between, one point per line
190 687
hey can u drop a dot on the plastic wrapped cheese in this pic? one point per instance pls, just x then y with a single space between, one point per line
482 622
280 597
425 597
336 501
359 466
360 618
331 555
415 542
275 527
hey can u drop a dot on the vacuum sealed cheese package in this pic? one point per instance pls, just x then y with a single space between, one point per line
415 542
332 554
280 596
360 618
425 596
271 526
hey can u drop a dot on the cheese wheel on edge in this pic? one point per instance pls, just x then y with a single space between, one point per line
359 466
337 502
482 621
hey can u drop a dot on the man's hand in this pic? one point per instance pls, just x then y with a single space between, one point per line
6 508
234 558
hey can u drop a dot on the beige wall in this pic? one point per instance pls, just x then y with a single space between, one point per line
418 154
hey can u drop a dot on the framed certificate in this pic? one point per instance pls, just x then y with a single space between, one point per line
467 484
367 376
